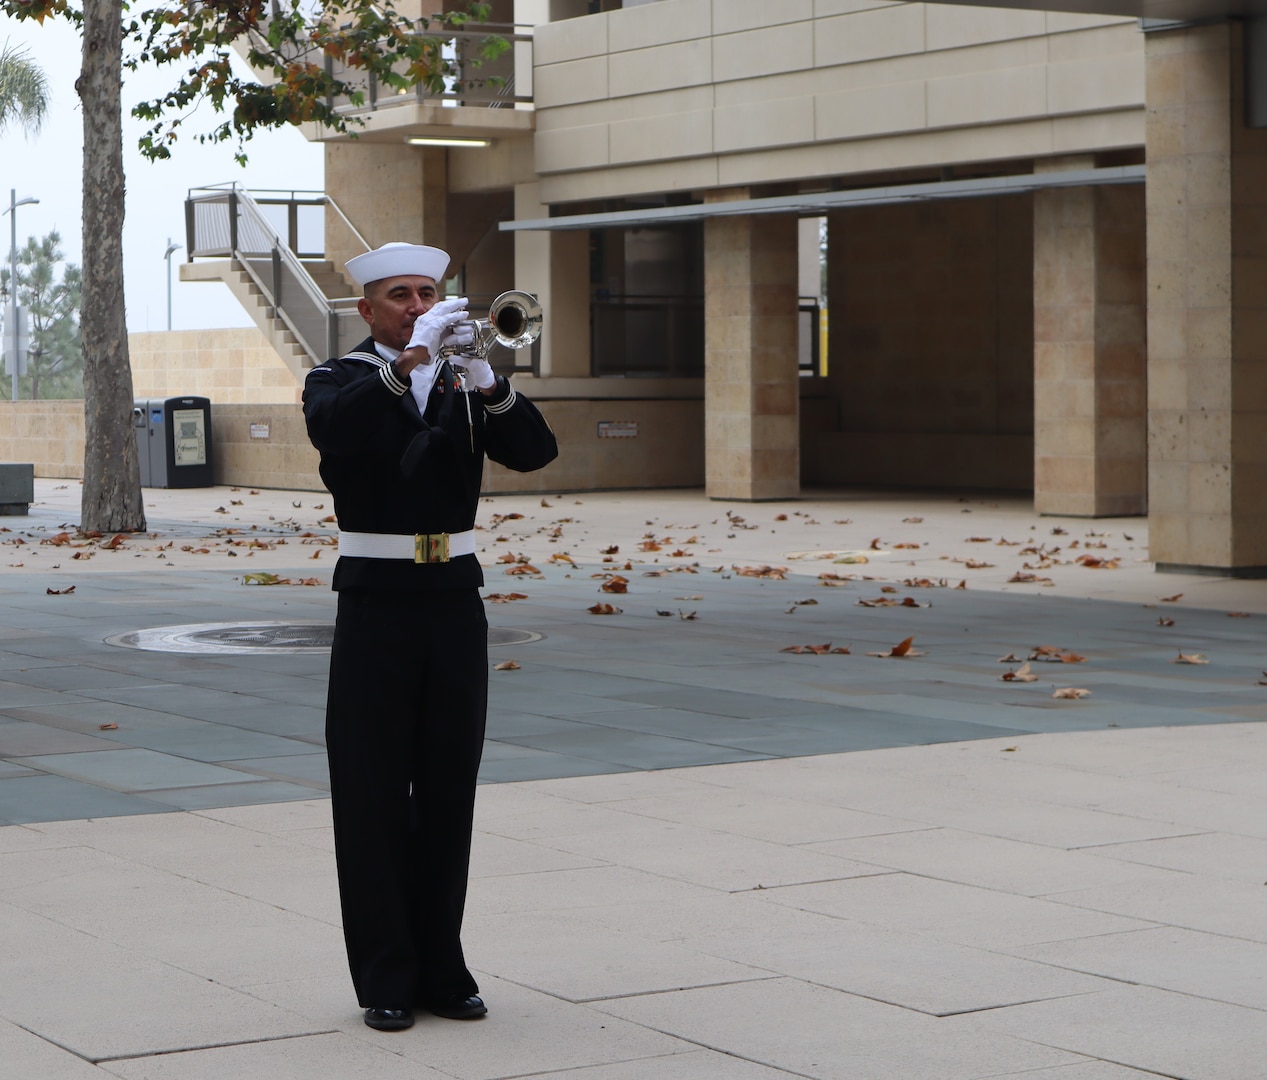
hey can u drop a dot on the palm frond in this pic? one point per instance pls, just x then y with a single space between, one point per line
24 93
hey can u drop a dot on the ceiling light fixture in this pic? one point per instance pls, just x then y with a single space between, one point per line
427 140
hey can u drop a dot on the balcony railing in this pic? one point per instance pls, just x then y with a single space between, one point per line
488 83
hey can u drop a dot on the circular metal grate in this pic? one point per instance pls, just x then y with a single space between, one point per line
256 637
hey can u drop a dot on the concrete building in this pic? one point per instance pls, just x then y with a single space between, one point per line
1045 255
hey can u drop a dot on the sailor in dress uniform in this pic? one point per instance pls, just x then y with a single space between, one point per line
403 437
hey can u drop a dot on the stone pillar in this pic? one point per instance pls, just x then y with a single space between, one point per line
389 191
1090 352
1207 309
751 389
554 267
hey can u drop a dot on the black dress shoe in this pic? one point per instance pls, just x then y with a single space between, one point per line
459 1008
389 1019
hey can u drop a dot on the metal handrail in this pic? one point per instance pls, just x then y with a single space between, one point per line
459 41
344 218
225 220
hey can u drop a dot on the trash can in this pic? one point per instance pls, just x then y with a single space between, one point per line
173 441
140 427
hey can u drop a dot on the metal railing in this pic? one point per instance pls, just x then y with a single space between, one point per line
226 221
490 83
809 335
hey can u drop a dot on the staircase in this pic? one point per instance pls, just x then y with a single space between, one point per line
304 306
331 283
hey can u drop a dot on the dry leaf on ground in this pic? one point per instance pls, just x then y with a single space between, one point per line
1053 654
604 609
1172 599
1094 562
60 592
507 665
615 584
1190 658
1073 692
901 649
1021 674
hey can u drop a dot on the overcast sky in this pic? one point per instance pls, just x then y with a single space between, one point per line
48 166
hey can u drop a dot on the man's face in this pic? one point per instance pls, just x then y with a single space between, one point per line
391 306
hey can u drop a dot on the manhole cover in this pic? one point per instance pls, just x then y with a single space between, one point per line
273 637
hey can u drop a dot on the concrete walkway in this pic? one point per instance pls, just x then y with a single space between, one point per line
698 856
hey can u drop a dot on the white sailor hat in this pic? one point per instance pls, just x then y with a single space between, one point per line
399 260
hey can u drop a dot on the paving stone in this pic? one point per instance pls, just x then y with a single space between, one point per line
1187 961
124 769
821 1032
1140 1027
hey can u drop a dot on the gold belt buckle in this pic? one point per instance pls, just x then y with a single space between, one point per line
431 547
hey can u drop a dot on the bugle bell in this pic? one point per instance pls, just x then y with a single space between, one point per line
514 322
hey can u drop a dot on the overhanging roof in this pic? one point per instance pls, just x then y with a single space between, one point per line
817 203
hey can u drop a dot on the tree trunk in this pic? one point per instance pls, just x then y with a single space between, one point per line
111 500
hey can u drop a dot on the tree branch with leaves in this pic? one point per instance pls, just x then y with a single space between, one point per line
305 66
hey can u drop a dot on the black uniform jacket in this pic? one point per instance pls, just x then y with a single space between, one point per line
394 470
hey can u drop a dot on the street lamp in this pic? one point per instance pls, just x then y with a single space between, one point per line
168 256
12 327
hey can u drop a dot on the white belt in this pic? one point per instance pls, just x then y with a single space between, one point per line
418 547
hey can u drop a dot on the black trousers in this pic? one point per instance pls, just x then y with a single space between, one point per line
404 734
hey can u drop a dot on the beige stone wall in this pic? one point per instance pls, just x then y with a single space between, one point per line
685 94
668 450
48 434
283 459
931 346
225 366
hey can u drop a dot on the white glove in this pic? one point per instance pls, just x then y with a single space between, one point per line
431 325
478 372
458 338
